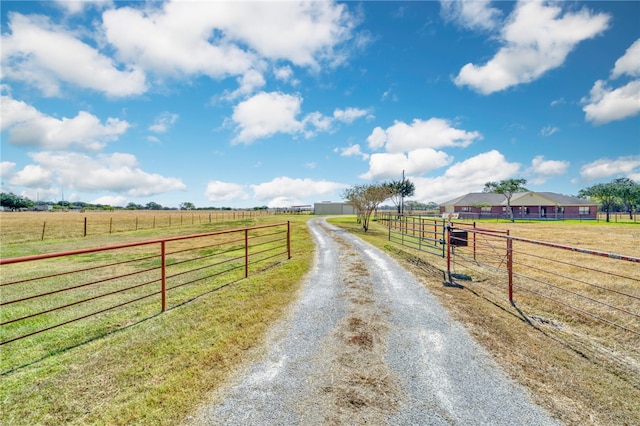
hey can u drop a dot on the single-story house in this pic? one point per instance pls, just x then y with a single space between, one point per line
328 207
525 205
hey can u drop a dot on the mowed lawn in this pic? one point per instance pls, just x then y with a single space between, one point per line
159 370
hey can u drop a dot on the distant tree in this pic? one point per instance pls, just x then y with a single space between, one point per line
628 193
399 190
365 199
14 202
622 190
507 188
431 205
153 206
187 206
604 193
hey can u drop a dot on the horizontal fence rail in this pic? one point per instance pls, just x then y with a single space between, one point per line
587 298
420 233
565 275
33 226
49 291
590 298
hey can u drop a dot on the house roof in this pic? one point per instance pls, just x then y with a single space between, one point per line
493 199
475 198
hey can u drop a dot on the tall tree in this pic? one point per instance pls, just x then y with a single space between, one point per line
365 199
400 189
629 193
605 193
507 188
621 190
13 201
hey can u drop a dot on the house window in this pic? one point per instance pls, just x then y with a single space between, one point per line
465 209
583 210
485 209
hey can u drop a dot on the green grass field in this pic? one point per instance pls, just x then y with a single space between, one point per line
160 368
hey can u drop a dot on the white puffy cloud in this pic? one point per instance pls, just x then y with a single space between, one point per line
248 83
469 175
33 176
218 39
305 33
605 104
283 73
79 6
605 168
349 115
116 172
294 189
163 122
14 112
27 126
352 150
536 38
629 63
267 113
6 167
414 147
541 166
218 191
432 133
416 162
48 56
110 200
474 15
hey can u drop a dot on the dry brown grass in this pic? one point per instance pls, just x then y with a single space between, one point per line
582 371
17 227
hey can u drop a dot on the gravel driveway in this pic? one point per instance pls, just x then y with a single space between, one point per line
365 343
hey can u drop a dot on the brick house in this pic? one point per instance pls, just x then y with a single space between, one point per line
525 205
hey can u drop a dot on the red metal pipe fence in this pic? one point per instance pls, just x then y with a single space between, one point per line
48 291
531 268
607 292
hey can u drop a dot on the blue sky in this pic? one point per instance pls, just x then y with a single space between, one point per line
247 104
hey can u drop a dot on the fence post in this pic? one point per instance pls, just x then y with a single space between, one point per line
163 268
474 241
246 253
44 225
85 226
448 243
288 240
510 267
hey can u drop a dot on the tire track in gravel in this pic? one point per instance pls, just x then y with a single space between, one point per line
365 343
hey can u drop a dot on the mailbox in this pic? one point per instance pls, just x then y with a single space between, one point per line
458 238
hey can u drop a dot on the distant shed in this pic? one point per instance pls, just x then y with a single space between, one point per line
329 207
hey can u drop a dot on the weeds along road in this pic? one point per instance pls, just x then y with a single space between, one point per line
365 343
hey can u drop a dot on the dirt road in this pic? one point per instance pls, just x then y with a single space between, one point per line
365 343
